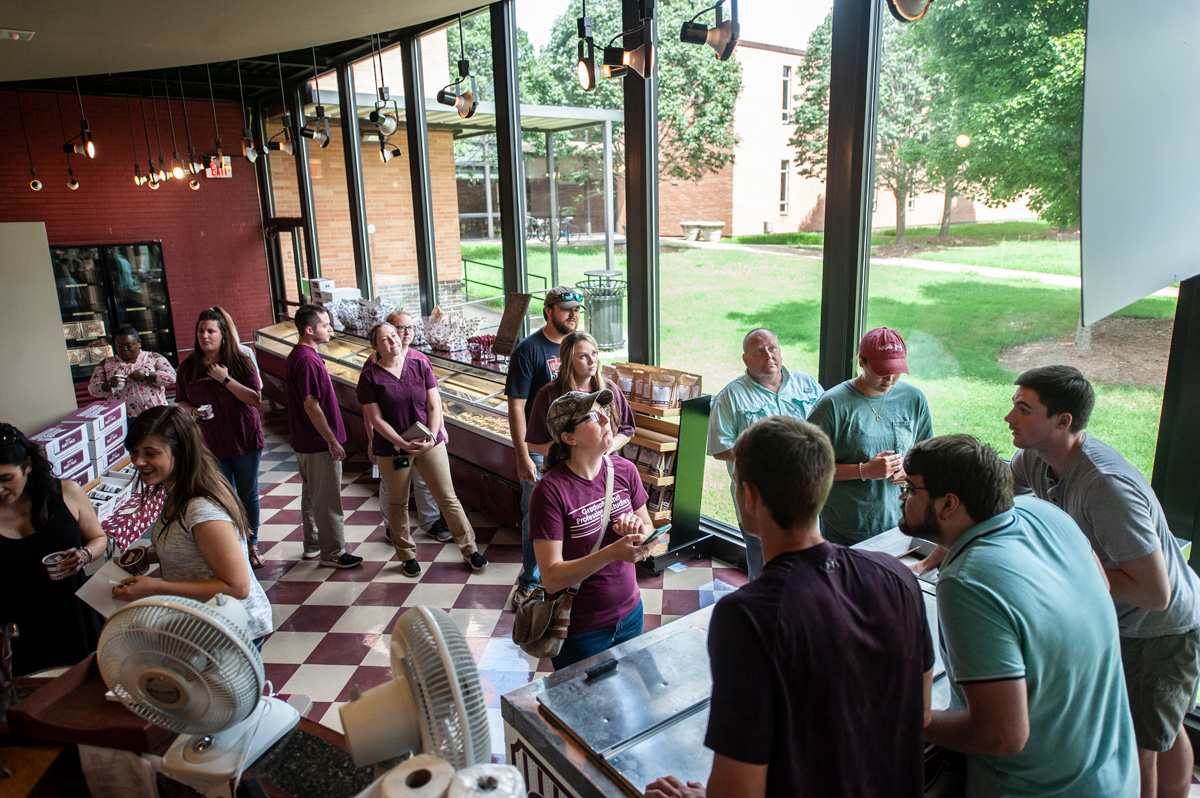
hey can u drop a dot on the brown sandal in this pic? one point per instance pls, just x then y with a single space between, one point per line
256 560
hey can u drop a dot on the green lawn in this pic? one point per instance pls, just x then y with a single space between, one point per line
955 325
1048 257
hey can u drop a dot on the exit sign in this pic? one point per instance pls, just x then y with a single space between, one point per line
222 168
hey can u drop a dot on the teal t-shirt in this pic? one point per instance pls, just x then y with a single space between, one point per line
859 510
743 402
1020 596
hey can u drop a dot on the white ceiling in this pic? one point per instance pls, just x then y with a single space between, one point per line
89 37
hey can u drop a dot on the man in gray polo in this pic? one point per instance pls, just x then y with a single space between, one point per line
1154 590
766 389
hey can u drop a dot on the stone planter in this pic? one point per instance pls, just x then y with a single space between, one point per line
702 231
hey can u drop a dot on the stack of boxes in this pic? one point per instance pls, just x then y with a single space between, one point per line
87 443
322 291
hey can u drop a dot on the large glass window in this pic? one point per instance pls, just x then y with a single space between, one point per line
975 256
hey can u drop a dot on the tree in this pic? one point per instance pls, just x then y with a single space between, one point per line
1016 69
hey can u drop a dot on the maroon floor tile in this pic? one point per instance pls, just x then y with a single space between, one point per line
731 576
285 592
275 502
312 618
483 597
274 569
504 624
293 478
362 573
279 672
445 573
319 708
337 648
286 517
353 502
651 622
428 552
362 517
502 552
680 602
295 534
385 594
366 677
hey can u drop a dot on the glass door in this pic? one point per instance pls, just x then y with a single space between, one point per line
83 298
140 295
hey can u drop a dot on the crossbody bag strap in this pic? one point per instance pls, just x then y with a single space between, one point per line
608 497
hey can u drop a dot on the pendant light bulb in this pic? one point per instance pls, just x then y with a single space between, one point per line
35 184
194 185
72 183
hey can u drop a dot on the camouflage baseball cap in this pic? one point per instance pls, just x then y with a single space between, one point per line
563 297
573 406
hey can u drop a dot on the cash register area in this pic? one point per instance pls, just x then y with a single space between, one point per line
332 627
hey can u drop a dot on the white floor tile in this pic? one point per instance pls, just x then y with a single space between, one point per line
319 682
502 654
362 620
476 623
340 594
433 595
290 648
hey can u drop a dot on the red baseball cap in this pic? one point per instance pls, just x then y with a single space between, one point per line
885 351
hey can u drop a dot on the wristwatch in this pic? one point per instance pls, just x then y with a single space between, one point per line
226 380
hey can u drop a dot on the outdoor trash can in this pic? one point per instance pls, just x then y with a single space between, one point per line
604 304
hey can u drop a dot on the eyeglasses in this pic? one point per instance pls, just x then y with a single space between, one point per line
907 489
406 328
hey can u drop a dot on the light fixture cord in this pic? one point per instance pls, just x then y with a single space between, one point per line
170 113
21 113
375 66
213 100
718 4
282 94
79 94
382 79
132 136
62 126
242 95
146 126
157 130
186 124
462 48
316 83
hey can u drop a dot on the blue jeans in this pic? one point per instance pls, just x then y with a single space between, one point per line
242 473
529 571
581 646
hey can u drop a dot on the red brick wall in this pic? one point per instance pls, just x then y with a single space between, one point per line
709 199
211 242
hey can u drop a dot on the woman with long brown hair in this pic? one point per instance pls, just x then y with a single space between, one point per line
42 515
200 538
221 378
579 371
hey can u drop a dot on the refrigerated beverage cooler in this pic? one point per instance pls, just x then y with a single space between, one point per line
106 287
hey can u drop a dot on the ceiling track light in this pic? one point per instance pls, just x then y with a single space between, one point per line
72 183
908 10
81 144
387 151
249 151
585 64
319 132
464 103
385 122
177 171
34 183
193 163
637 51
723 37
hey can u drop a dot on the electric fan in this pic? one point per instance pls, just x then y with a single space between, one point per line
433 705
190 667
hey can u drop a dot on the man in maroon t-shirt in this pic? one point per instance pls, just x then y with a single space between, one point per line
317 435
822 667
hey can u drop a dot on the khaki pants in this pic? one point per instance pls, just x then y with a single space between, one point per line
434 468
321 503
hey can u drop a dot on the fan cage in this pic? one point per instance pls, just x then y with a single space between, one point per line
210 656
441 671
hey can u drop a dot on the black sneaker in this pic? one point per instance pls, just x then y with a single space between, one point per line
440 532
475 561
411 567
343 560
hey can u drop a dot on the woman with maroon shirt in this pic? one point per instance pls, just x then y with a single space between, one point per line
565 515
218 374
396 393
580 371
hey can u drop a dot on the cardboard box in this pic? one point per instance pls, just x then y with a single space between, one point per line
69 461
61 438
111 438
84 475
319 284
346 295
108 459
322 297
98 417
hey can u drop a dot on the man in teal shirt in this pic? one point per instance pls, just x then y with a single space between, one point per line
1028 634
766 389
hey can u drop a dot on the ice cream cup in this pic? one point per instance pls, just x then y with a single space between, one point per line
134 561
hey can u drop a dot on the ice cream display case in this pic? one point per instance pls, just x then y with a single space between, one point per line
476 409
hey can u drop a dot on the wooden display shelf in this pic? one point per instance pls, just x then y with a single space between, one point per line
659 517
655 481
655 441
651 410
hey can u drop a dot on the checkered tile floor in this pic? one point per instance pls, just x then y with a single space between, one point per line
333 627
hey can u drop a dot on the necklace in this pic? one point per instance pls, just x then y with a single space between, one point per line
878 413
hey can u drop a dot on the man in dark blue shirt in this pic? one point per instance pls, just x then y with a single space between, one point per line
823 666
534 363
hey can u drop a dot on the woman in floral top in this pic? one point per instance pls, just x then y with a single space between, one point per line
137 378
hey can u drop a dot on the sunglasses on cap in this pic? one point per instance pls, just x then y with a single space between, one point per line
570 296
9 435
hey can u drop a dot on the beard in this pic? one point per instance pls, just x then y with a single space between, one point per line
564 327
926 529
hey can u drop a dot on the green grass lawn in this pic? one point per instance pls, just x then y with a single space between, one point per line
955 325
1048 257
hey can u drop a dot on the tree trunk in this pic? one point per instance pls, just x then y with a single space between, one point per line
945 229
901 216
